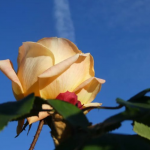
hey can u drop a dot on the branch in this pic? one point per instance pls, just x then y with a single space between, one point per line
101 107
37 134
105 107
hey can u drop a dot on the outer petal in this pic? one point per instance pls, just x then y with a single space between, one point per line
60 47
7 69
34 60
74 72
59 68
41 115
22 53
91 106
88 90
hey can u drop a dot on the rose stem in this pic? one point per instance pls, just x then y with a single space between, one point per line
103 107
37 134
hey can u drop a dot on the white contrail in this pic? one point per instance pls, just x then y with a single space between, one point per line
64 24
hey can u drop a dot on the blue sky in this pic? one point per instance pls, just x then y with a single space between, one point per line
116 33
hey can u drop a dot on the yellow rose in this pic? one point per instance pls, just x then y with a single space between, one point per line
52 66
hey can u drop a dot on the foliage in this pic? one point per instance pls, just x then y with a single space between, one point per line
86 136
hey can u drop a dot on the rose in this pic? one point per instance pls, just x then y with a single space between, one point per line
52 66
70 97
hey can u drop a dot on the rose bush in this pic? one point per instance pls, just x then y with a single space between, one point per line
49 67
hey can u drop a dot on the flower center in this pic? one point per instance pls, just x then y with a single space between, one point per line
70 97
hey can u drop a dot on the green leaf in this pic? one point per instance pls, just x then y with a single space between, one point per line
137 97
142 129
70 112
105 142
134 111
114 122
14 110
117 142
136 105
36 108
131 113
72 143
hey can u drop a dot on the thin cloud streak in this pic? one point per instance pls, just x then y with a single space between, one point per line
64 23
129 15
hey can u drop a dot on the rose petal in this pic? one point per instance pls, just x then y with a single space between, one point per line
69 97
88 90
21 54
92 105
69 79
7 69
50 75
59 68
60 47
41 115
37 59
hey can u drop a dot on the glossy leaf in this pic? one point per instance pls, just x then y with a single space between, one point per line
137 97
70 112
134 111
142 129
136 105
105 142
14 110
117 142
